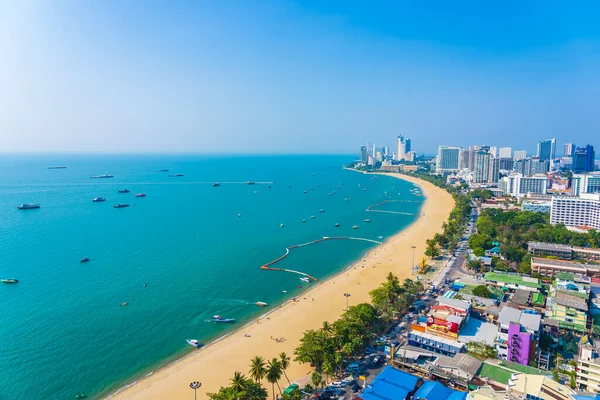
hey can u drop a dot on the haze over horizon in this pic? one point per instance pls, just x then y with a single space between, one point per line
295 77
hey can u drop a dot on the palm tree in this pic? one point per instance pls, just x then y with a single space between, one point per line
327 328
238 382
257 368
284 361
274 374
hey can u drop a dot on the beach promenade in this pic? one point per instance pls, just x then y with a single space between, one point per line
215 365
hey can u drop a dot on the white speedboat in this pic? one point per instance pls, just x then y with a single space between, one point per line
305 279
261 304
218 318
194 343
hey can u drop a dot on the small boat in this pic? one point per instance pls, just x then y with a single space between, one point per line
379 237
125 303
163 170
98 199
102 176
312 217
261 304
80 396
367 220
194 343
10 280
284 291
256 192
28 206
303 221
305 192
321 210
218 318
365 189
57 167
337 224
216 184
355 227
347 199
84 259
250 183
140 195
175 175
123 191
239 215
305 279
281 225
120 205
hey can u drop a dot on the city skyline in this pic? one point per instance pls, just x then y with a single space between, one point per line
266 77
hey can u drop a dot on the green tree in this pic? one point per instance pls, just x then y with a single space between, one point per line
238 382
525 265
316 379
257 368
274 374
240 389
284 361
481 350
432 250
308 388
482 291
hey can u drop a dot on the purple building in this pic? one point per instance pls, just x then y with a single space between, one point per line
521 345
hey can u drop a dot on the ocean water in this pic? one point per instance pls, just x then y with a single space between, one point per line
62 329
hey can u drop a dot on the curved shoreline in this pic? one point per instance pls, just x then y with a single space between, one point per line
214 365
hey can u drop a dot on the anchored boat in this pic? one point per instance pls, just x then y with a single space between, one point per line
102 176
261 304
120 205
194 343
123 191
10 280
98 199
140 195
218 318
27 206
84 259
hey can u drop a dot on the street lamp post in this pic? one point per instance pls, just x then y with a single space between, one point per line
413 257
195 385
346 295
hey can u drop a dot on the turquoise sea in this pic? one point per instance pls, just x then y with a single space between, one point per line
63 330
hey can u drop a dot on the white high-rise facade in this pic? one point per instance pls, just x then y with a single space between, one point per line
447 159
403 146
518 185
582 211
505 152
520 154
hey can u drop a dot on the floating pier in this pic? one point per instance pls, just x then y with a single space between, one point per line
370 208
268 266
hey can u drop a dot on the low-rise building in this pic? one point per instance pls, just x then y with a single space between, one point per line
513 281
588 366
537 206
391 383
549 267
564 252
569 310
518 335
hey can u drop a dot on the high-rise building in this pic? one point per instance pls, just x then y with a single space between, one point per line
520 154
494 168
546 149
403 147
583 160
447 159
518 185
364 155
530 166
582 211
494 151
569 149
482 167
505 152
586 183
506 164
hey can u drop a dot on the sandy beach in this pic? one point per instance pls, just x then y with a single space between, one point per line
215 365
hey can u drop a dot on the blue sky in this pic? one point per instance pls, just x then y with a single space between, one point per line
282 76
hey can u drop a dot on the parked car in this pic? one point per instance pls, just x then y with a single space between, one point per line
355 388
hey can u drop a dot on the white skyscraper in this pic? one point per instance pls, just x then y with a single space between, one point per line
447 159
505 152
402 147
494 151
520 154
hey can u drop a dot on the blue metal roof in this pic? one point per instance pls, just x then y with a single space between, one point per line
435 391
391 384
